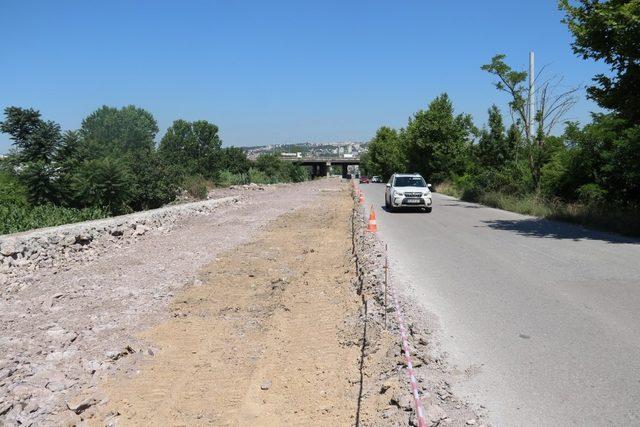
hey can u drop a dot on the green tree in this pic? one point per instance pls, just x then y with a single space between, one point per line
153 183
69 157
106 183
384 156
495 149
514 141
438 142
193 147
37 177
606 152
550 109
110 130
234 160
36 142
609 31
34 138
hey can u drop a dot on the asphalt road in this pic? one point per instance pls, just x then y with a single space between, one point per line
545 316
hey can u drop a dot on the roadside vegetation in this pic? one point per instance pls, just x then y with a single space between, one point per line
587 174
112 165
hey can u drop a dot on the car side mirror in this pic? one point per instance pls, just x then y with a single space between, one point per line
388 185
429 186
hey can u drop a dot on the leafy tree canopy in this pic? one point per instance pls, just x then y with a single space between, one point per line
34 138
384 155
437 141
192 146
111 129
234 160
609 31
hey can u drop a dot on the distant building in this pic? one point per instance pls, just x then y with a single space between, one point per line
297 155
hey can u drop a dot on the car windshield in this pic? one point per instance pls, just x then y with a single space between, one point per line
409 181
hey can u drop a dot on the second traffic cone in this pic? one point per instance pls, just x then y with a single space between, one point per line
361 198
373 224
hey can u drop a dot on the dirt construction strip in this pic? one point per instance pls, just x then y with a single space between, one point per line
259 342
63 328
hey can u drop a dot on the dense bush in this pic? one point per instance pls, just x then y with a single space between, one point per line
12 192
270 168
106 183
197 186
227 178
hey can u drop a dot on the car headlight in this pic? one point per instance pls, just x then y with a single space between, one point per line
398 193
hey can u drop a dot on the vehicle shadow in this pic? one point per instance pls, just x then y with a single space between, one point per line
545 228
403 210
463 205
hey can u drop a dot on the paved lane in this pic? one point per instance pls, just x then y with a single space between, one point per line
546 314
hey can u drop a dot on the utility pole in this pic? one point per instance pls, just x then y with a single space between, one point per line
532 97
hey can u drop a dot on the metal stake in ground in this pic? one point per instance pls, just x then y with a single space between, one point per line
386 281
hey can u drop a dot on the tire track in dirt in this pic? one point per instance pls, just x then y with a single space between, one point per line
264 340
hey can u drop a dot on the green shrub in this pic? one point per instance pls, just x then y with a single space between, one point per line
227 178
271 165
12 191
197 186
259 177
297 173
591 194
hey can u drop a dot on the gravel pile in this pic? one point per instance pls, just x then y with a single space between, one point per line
54 246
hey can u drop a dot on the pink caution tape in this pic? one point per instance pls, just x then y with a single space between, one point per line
422 421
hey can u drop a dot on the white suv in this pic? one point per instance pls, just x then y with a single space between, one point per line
407 191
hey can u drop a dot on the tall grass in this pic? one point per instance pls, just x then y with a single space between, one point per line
617 219
448 188
15 218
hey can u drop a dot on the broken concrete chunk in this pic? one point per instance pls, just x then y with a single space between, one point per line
81 404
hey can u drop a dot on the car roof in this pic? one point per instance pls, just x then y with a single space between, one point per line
407 174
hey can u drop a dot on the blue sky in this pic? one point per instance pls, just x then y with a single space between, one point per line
276 71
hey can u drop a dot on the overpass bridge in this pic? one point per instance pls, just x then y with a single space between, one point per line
321 166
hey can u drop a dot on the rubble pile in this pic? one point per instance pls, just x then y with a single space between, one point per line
79 242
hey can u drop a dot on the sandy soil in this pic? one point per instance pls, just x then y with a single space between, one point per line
262 340
64 328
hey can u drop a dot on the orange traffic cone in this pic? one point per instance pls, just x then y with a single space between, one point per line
373 224
361 198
